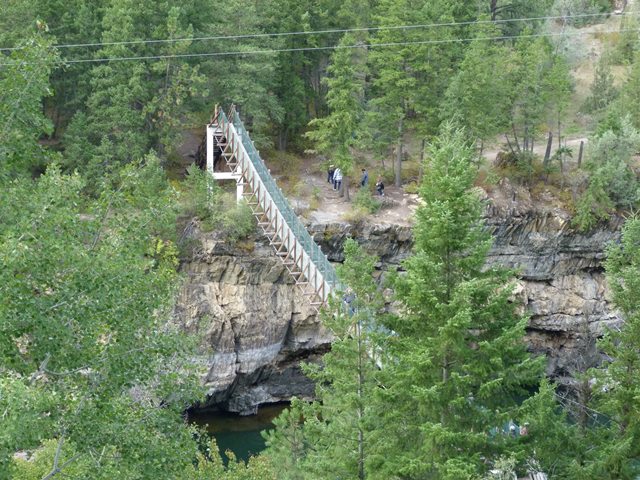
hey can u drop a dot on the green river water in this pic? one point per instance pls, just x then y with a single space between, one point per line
240 434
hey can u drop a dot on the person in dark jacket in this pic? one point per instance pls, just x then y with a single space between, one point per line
364 180
380 187
330 171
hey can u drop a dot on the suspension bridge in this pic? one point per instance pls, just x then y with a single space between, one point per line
231 155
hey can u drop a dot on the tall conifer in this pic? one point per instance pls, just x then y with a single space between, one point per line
461 360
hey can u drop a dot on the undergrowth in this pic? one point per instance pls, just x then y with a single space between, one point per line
216 210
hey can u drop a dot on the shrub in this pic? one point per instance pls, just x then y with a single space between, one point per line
575 8
612 181
356 215
237 222
316 198
412 188
215 209
364 200
196 194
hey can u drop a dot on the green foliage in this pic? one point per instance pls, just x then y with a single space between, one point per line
218 211
365 200
540 85
603 91
86 292
16 17
133 107
508 9
460 362
197 195
297 74
615 440
627 103
26 417
24 81
249 82
236 221
336 134
41 462
287 445
626 48
583 10
612 181
336 437
549 431
478 96
209 465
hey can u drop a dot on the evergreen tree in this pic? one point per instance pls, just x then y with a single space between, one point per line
409 81
298 75
531 62
617 435
335 440
24 82
478 96
612 182
461 363
248 81
603 90
72 22
336 134
629 100
133 106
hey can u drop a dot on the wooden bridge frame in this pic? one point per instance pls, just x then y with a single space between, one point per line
296 249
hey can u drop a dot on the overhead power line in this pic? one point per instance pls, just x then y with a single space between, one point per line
322 32
333 47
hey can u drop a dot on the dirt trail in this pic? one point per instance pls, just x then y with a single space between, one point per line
398 208
539 148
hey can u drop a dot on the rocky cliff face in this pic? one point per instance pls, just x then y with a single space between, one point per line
562 281
256 326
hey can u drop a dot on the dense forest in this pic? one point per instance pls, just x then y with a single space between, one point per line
96 100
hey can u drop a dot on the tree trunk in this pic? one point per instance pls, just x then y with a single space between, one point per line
361 353
421 170
515 138
282 140
560 133
547 152
580 153
399 153
344 190
509 143
493 8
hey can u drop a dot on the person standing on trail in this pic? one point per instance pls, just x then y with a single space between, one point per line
337 179
380 187
330 171
364 181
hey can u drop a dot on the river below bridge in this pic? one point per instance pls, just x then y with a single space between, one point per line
240 434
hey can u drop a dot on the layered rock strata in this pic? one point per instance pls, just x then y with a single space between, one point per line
256 326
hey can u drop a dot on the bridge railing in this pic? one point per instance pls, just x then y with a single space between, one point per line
301 234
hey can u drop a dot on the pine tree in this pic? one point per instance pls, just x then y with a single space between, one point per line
616 436
336 134
24 81
340 426
298 73
138 106
478 95
603 90
409 81
461 360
